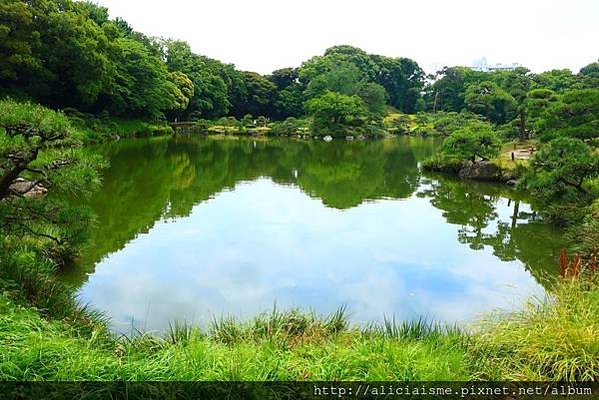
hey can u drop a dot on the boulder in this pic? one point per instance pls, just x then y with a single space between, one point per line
24 188
481 171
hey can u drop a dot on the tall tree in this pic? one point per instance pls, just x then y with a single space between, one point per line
403 80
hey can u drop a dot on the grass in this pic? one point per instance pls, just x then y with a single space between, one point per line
274 346
555 339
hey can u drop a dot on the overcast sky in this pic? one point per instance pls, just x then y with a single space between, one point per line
264 35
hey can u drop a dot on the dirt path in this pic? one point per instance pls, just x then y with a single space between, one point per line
521 150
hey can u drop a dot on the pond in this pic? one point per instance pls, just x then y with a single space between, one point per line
191 228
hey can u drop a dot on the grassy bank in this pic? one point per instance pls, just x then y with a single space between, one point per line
44 337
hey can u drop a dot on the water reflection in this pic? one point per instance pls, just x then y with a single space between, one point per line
192 226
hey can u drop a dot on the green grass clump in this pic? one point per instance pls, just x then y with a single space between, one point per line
36 349
553 339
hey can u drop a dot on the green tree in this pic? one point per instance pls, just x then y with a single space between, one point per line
284 77
76 57
211 79
39 149
375 97
561 167
331 74
289 102
558 80
589 76
491 101
448 93
18 40
471 142
185 89
536 102
591 70
403 80
358 57
517 83
336 113
575 115
143 85
261 94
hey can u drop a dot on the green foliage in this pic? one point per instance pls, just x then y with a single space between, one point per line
143 85
446 123
261 94
336 113
536 103
449 92
560 167
472 142
491 101
376 79
291 126
213 81
558 80
403 80
185 89
443 163
18 40
38 150
575 115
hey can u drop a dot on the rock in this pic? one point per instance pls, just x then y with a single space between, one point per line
24 188
327 138
481 171
361 137
350 138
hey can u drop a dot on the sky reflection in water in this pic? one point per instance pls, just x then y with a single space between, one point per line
258 242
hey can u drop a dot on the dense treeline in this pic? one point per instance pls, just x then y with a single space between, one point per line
70 55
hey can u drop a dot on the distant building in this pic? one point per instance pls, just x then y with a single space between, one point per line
483 66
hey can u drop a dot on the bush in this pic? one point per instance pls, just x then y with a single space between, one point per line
443 163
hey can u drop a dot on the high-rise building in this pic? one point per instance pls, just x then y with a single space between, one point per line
483 66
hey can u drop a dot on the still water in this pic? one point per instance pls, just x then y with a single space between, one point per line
189 228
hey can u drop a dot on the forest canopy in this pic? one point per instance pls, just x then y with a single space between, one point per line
71 55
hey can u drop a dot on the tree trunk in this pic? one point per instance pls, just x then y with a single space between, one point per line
10 177
522 124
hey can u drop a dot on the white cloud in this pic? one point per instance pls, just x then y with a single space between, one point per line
263 35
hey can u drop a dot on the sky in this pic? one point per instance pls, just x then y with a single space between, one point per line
264 35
